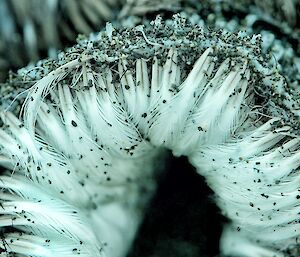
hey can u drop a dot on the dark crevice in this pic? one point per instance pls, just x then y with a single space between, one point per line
182 220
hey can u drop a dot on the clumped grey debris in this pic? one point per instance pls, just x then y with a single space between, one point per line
155 38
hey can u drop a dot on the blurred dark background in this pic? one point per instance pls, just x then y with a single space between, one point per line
182 220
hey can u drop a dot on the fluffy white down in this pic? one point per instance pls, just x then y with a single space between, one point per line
85 157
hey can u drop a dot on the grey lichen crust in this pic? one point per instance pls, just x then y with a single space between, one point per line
154 39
